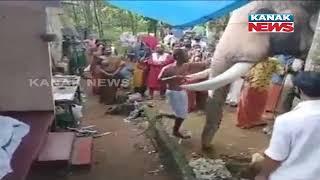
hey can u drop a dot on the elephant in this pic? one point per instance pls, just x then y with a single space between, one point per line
238 50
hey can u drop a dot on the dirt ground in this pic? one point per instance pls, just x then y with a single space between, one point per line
229 140
234 145
118 156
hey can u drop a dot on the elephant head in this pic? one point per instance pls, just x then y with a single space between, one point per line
238 50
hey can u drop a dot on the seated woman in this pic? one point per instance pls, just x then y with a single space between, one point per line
110 79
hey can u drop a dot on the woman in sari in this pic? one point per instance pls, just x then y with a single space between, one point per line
158 60
94 67
140 69
110 79
254 94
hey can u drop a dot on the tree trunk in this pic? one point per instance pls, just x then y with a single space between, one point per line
155 28
162 34
120 13
152 26
133 26
313 59
75 16
99 24
86 7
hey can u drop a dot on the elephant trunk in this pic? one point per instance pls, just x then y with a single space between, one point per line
233 73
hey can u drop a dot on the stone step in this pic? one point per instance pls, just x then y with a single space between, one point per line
82 152
57 148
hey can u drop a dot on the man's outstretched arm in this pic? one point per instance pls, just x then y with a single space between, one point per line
268 166
278 150
200 75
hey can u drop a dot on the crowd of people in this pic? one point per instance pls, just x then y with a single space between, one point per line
269 86
152 62
163 65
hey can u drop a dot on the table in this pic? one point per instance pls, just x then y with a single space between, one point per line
66 92
66 88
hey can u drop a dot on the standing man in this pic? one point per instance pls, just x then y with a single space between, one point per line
167 40
173 76
294 148
198 42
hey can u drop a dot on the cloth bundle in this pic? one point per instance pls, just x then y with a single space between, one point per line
11 134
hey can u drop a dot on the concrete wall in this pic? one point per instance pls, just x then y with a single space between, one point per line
55 26
24 56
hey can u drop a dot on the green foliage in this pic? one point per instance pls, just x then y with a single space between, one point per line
219 24
109 22
104 20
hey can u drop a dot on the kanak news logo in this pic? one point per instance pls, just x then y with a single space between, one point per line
283 23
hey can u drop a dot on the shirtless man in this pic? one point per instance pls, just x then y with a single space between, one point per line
173 76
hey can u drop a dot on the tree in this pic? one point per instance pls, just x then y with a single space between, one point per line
75 16
87 11
152 25
132 21
104 19
214 29
97 12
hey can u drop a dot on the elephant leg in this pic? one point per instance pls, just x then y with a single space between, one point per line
287 96
214 112
286 100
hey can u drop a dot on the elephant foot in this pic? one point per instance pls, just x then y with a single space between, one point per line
208 150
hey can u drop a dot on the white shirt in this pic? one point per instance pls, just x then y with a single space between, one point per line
168 39
297 65
296 142
202 44
159 58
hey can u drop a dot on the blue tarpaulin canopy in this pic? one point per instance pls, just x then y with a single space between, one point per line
180 13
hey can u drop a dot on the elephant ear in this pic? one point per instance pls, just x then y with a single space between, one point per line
279 41
285 43
295 43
